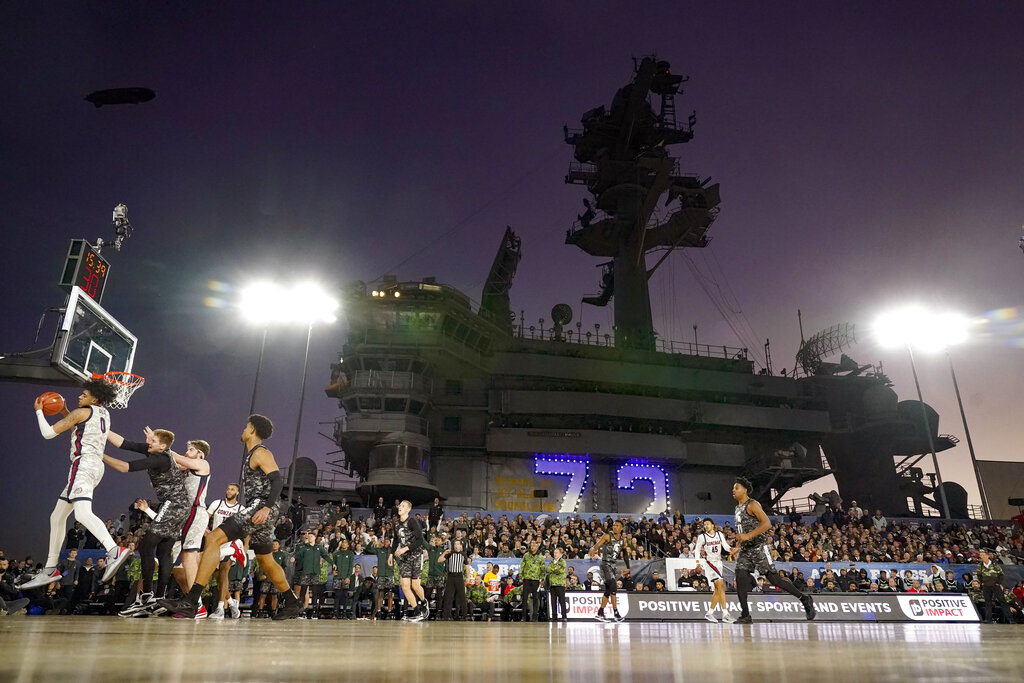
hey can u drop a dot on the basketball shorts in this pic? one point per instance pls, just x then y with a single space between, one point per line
236 585
170 519
410 565
384 582
436 581
83 478
306 579
195 529
757 559
267 587
608 578
261 536
712 570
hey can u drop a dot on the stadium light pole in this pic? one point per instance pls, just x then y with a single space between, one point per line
310 304
911 327
970 444
266 303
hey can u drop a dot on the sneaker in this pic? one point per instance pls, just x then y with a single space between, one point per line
43 578
744 619
149 608
233 608
141 604
426 611
181 606
201 612
600 616
238 553
288 611
710 616
15 606
115 558
728 618
217 613
809 610
617 617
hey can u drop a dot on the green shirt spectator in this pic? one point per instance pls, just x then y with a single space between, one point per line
344 563
556 572
435 567
307 558
532 568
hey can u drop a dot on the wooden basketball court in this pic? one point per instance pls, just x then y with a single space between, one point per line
110 649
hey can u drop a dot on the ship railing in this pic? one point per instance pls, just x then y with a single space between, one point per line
597 338
385 422
389 380
581 173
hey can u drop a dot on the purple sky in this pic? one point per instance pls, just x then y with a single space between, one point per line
868 156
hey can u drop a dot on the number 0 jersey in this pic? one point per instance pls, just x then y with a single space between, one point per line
89 437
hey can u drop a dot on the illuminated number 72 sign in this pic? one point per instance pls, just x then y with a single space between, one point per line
577 468
634 470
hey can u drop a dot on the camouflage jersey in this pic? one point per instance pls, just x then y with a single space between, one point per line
745 523
169 485
256 484
612 550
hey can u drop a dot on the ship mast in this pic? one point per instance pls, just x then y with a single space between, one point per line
622 157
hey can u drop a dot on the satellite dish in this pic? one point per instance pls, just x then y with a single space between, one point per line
561 314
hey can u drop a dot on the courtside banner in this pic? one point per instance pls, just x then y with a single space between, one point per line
647 606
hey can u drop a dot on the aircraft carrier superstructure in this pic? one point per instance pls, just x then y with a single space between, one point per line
485 411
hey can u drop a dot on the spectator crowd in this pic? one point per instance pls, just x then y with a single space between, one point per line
321 560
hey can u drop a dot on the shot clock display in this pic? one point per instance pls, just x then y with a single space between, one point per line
86 269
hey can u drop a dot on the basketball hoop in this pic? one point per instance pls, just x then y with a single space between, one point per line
125 384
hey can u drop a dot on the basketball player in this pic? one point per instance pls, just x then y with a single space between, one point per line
91 421
611 546
408 552
710 544
754 553
197 477
169 485
220 511
263 483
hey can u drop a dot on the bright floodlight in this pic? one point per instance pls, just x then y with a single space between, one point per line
920 328
311 304
263 303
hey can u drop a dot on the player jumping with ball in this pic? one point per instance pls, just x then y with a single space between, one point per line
90 422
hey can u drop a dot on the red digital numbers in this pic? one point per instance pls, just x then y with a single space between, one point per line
91 274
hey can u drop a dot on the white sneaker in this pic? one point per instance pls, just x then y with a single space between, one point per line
710 616
217 613
144 602
233 608
728 618
43 578
115 558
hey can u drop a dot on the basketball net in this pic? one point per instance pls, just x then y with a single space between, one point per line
125 384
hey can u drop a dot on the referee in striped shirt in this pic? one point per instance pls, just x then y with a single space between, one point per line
455 561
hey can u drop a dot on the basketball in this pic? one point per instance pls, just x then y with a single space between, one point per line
53 402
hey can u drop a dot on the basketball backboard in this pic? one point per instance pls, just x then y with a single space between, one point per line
90 340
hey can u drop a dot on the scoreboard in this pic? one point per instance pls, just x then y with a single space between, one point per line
86 269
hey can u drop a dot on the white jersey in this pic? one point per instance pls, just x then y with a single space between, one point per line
712 546
195 486
89 437
220 511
